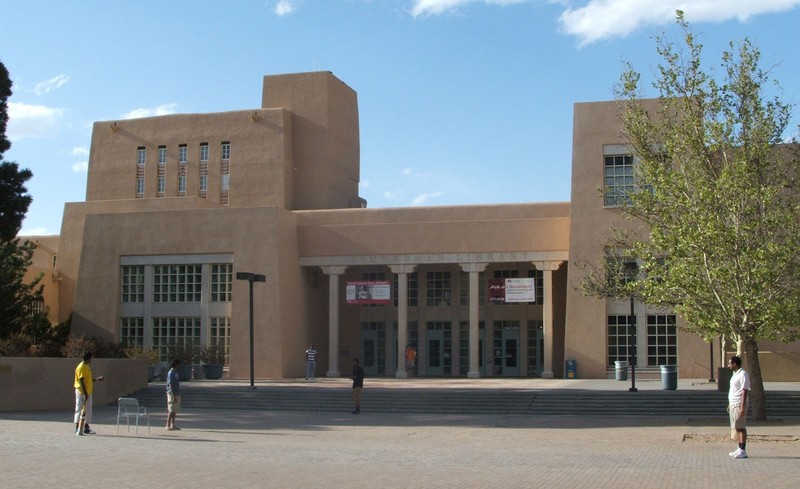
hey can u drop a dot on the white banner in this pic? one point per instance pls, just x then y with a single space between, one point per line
520 290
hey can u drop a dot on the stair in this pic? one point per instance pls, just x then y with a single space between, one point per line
476 400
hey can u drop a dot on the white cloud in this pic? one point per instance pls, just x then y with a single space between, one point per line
285 7
435 7
363 184
410 172
57 81
422 199
604 19
79 151
81 167
31 121
165 109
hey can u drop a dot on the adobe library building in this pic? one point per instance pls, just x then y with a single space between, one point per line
177 206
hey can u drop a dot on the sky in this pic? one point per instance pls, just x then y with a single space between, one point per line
461 102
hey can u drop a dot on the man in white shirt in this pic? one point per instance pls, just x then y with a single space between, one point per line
737 405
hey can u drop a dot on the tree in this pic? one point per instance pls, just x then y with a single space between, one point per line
716 201
16 296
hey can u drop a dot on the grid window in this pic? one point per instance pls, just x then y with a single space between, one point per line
464 288
219 334
505 274
162 155
413 289
535 348
203 183
538 279
204 152
621 334
440 353
167 331
438 288
131 331
140 186
161 184
618 174
662 340
226 150
463 347
221 282
183 153
132 283
177 283
141 156
182 183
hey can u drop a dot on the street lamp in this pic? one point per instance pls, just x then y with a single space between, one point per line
632 346
251 277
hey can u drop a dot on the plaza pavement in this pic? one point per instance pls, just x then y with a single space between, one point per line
281 449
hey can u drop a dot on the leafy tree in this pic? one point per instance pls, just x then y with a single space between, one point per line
16 296
715 213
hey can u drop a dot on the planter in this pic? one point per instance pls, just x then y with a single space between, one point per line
151 373
213 372
198 372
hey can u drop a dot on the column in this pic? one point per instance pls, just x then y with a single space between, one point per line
333 273
547 268
474 318
402 272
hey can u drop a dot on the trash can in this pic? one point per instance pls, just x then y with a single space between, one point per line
669 377
571 369
621 369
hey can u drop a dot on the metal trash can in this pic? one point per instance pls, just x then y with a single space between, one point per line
571 369
621 370
669 377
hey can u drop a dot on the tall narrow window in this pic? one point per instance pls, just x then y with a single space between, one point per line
204 152
225 173
162 155
221 282
618 175
203 169
662 340
183 152
132 283
141 158
226 150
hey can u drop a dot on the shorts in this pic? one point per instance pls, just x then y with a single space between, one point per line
173 403
737 422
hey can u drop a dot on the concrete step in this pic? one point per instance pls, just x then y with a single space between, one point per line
492 401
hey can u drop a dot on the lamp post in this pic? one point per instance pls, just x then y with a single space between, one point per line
632 346
251 277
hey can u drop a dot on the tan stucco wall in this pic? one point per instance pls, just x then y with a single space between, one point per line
42 265
31 384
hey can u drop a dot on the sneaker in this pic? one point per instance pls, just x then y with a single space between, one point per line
741 454
355 411
78 433
733 453
88 431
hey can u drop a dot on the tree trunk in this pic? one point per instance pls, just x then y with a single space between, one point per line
757 396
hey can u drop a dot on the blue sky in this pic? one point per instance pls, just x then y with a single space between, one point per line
460 101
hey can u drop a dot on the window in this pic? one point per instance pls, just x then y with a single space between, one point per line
621 335
203 184
183 153
140 186
221 282
373 277
162 155
131 331
464 288
204 152
177 283
226 181
662 340
505 274
621 271
618 175
538 279
226 150
463 346
161 184
219 334
438 288
36 307
169 331
132 284
413 289
141 156
182 183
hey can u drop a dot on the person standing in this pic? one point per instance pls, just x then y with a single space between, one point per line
84 387
173 395
358 384
737 405
311 362
411 357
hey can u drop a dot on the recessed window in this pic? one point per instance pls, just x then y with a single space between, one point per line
618 183
162 155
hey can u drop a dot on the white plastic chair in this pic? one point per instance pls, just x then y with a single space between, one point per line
128 407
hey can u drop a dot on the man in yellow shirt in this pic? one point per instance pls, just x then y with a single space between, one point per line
84 384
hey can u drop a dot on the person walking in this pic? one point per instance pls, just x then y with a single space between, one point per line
358 384
737 405
311 362
84 387
173 395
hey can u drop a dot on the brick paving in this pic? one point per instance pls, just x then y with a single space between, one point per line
274 449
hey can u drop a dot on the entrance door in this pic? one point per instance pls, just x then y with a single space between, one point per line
506 348
439 349
373 354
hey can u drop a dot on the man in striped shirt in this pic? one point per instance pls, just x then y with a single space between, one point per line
311 362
